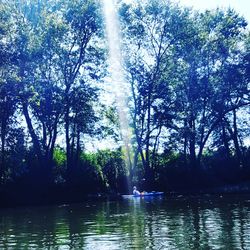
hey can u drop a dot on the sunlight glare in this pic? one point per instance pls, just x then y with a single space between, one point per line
118 81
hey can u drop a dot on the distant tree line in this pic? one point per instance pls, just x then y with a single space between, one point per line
188 72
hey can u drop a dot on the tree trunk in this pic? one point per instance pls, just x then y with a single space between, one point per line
235 139
43 172
225 140
78 150
148 171
2 165
51 146
185 146
67 136
193 162
34 137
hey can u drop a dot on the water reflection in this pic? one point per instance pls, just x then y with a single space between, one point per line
184 223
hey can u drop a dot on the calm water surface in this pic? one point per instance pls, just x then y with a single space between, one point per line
206 222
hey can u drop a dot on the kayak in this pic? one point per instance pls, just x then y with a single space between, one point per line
146 194
149 194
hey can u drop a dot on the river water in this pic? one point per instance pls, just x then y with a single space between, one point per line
207 222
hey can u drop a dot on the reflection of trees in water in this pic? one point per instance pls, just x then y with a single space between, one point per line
217 227
242 227
28 227
224 226
137 223
76 227
198 226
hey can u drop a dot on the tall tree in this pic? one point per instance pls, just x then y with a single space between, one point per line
151 32
56 45
80 57
8 84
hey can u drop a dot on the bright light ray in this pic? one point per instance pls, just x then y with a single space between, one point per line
118 82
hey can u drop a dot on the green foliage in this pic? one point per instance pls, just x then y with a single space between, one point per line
59 157
189 77
113 167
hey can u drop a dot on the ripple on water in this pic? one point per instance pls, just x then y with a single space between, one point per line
127 225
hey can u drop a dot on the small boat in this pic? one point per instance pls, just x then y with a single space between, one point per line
153 193
144 194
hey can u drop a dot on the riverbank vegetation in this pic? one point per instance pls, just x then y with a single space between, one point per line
188 73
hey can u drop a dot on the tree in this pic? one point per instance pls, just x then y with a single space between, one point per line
38 92
151 32
55 46
82 118
8 85
80 56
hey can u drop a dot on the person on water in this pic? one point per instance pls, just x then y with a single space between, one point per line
135 191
